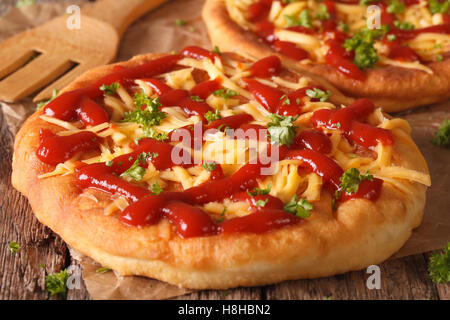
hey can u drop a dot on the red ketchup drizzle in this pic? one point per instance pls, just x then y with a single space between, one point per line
189 221
349 119
290 50
259 222
266 67
91 113
400 52
259 10
206 88
157 86
233 122
269 97
182 98
101 177
295 101
368 189
217 173
313 140
320 164
54 149
342 60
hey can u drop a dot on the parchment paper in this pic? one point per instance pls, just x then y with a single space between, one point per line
157 32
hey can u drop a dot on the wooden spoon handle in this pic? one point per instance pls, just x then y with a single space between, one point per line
120 13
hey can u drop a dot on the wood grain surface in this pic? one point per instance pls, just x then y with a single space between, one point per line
22 275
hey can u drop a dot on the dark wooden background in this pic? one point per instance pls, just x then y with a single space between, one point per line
21 276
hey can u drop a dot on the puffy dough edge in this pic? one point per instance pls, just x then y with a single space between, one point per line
392 88
359 234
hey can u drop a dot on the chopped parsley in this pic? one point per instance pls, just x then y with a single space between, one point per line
351 179
316 93
281 129
439 58
212 116
14 247
262 203
403 25
302 20
439 265
442 136
259 192
110 89
301 208
196 99
362 43
396 7
343 26
216 50
44 103
180 23
136 172
147 117
156 189
152 133
366 2
322 13
102 270
436 6
391 37
109 163
209 166
285 100
225 93
56 283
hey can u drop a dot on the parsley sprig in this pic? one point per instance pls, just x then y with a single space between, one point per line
225 93
302 20
362 43
352 178
259 191
396 7
110 89
281 129
210 116
56 283
301 208
209 166
442 136
136 172
439 266
317 93
435 6
14 247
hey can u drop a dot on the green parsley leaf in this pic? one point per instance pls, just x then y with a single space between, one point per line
439 265
197 99
435 6
216 50
136 172
156 189
146 117
209 166
351 179
109 163
258 191
24 3
14 247
322 13
225 93
212 116
403 25
439 58
366 2
362 43
396 7
56 283
285 100
318 94
262 203
442 136
281 129
301 208
102 270
302 20
180 23
343 26
110 89
391 37
44 103
152 133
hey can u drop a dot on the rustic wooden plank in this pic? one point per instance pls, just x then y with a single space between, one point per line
256 293
400 279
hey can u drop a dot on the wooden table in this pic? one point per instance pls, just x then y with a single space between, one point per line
21 277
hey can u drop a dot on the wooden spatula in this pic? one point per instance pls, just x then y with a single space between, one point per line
56 51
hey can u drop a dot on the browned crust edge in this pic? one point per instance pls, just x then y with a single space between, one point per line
359 234
392 88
